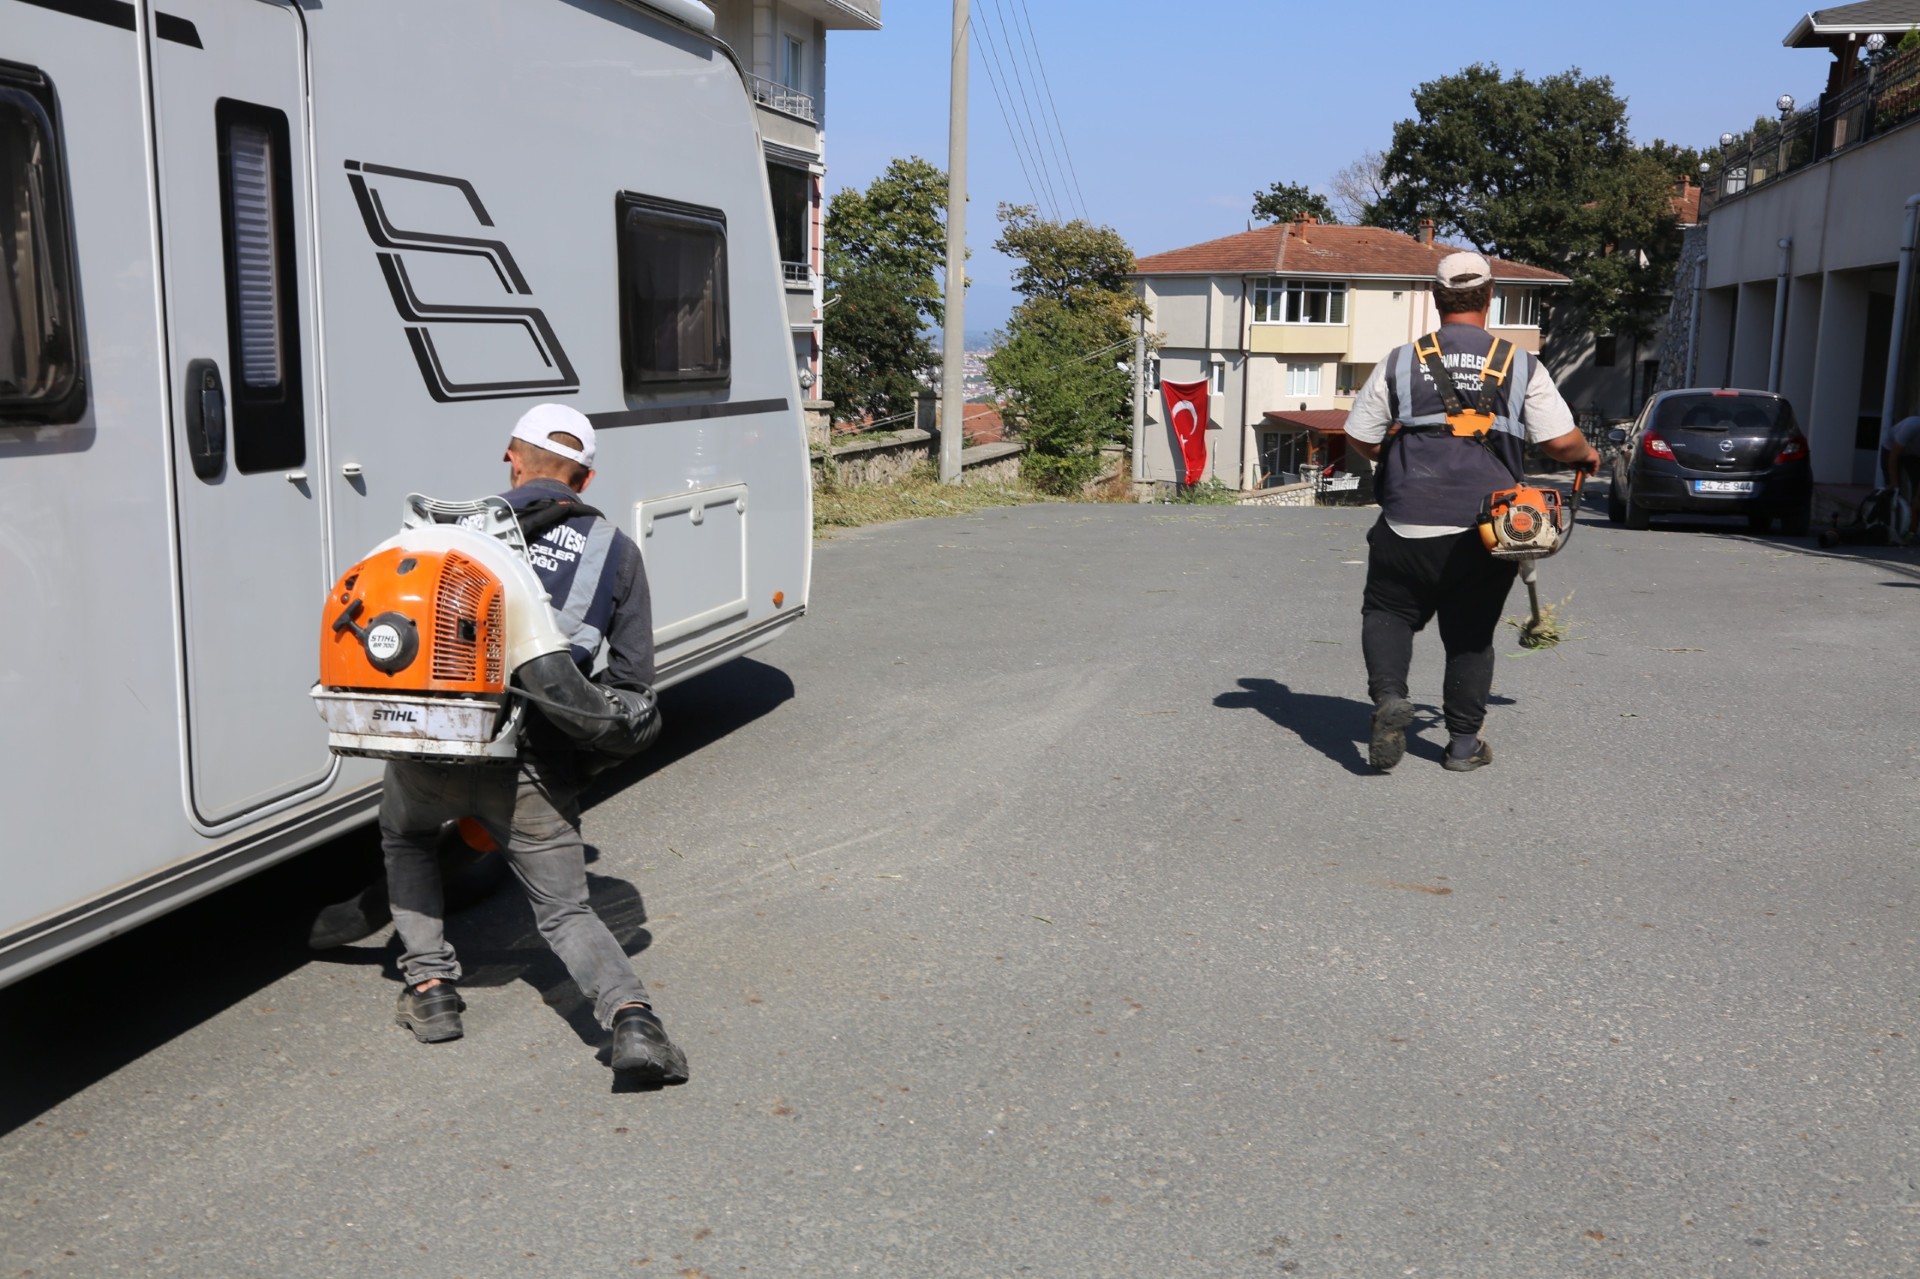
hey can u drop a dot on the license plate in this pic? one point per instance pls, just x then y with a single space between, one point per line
1723 486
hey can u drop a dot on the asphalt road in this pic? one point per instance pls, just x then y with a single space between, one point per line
1031 910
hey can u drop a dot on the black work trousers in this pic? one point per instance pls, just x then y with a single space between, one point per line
1409 581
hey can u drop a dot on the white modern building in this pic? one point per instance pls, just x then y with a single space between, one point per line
1807 287
783 44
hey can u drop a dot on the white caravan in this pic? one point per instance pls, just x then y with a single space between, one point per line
267 266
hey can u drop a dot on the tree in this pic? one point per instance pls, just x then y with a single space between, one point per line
1289 201
1359 188
1541 172
1055 363
885 249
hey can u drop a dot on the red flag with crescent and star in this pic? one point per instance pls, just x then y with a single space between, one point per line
1187 415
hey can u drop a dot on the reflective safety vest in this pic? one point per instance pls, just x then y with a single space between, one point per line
1437 467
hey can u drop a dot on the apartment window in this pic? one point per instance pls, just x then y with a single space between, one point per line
1348 379
1604 351
1153 372
1218 376
673 293
267 412
39 342
1277 301
1303 379
1516 308
793 65
792 192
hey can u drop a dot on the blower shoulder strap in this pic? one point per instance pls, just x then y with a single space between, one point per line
544 514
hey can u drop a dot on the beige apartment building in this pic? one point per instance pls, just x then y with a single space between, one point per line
1286 322
783 46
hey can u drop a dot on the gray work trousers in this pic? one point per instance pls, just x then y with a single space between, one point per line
533 812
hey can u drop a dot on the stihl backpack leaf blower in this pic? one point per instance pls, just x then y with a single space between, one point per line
433 646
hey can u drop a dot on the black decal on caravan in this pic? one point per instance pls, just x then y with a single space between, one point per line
554 376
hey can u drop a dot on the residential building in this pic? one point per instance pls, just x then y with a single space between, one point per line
1288 320
783 46
1807 238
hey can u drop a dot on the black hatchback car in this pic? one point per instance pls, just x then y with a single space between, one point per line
1707 452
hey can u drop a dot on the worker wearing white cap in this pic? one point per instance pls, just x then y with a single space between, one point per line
1446 419
598 588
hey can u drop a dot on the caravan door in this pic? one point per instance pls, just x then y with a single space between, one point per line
236 236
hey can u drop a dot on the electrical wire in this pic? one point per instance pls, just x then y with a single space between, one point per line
1047 83
1035 126
1009 112
1018 153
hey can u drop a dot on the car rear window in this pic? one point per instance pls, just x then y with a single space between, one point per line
1724 412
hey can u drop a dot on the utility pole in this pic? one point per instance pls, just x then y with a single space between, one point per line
953 395
1140 394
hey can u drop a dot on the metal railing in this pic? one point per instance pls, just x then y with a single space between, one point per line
1888 97
771 93
799 274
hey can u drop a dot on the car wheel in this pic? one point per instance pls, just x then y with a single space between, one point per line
1796 522
1759 522
1636 516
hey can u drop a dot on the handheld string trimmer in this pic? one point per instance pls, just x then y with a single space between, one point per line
1528 524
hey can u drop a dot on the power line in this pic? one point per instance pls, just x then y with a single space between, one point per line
1012 107
1072 172
1036 127
1018 151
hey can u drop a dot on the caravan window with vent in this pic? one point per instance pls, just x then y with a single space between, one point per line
268 413
39 336
673 294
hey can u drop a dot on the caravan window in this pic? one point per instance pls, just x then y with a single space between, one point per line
673 294
263 317
39 338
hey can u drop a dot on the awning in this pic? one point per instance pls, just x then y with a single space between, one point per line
1319 421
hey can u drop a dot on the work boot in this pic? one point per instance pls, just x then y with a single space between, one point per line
1391 715
433 1015
641 1048
1481 756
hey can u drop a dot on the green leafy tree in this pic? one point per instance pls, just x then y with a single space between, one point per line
1541 172
1055 363
1287 201
885 251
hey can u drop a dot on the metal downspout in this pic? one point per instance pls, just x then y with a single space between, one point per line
1693 337
1902 305
1780 286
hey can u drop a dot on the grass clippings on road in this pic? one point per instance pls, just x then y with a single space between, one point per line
919 495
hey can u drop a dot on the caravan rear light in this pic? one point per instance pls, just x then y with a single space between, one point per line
1653 446
1794 450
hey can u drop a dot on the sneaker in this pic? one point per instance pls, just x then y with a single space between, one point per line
641 1048
433 1015
1482 756
1391 715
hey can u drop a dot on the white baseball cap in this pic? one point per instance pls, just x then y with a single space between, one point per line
1462 271
539 424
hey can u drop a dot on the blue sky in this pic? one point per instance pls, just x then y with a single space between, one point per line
1173 114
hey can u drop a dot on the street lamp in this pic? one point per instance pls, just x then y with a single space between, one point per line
1785 103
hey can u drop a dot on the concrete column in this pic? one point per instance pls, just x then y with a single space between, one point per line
763 40
1832 414
1718 311
1802 342
1753 334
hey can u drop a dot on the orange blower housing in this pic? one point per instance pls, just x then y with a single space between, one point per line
415 621
1524 522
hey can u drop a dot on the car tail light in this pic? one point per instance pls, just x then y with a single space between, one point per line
1794 450
1653 446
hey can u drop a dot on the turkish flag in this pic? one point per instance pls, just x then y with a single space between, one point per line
1187 414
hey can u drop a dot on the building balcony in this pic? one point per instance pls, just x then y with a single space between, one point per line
798 275
778 97
839 15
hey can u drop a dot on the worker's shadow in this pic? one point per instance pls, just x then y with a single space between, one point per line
1337 727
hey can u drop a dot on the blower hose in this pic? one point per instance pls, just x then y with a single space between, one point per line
617 722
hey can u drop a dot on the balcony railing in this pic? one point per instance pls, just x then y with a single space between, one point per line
1888 97
797 274
778 97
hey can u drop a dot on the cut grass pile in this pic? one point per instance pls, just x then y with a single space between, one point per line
919 495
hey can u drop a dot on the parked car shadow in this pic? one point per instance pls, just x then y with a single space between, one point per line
1337 727
81 1020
